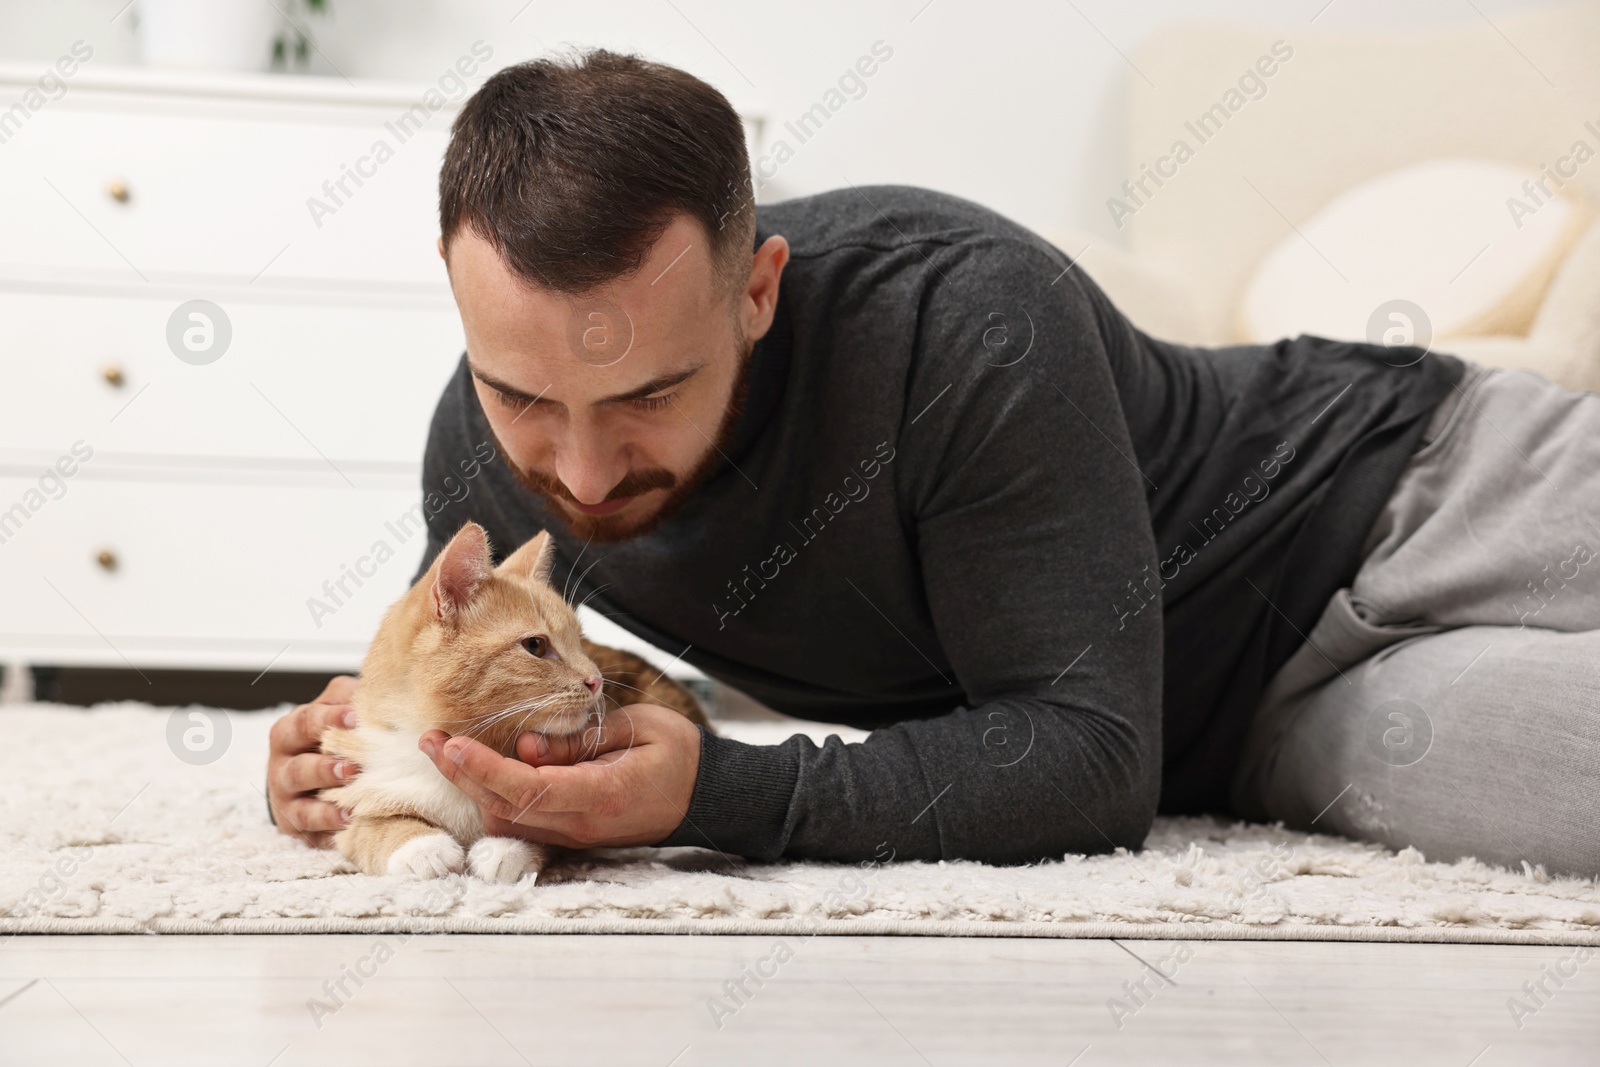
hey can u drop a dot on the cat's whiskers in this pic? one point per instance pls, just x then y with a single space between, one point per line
592 595
511 709
527 707
521 723
521 707
592 748
579 584
625 685
565 595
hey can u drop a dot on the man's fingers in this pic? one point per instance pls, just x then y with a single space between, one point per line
502 787
301 730
616 731
314 840
296 767
339 690
476 791
545 750
432 744
308 772
510 788
308 817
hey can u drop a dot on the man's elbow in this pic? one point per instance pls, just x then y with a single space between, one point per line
1129 823
1116 813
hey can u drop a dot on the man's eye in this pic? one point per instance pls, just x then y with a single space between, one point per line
516 403
653 403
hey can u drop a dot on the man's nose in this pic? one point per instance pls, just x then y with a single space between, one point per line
590 467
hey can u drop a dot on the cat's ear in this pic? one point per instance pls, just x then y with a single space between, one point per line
534 559
460 571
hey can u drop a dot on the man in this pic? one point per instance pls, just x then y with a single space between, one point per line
885 458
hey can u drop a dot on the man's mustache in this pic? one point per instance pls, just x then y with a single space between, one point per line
633 483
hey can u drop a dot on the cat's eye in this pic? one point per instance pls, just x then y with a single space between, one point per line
539 646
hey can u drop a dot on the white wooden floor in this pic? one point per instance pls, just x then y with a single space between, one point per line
653 1002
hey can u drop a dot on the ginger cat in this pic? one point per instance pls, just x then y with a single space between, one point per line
488 652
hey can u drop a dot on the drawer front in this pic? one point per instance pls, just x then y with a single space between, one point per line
211 566
125 194
298 382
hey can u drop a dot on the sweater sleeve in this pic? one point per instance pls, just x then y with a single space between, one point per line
1029 514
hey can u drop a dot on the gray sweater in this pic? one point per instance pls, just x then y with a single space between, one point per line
1048 560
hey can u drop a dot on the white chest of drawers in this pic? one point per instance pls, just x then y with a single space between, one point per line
223 496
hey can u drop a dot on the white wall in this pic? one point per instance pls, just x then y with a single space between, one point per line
1009 102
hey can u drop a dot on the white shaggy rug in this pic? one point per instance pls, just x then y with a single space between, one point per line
104 829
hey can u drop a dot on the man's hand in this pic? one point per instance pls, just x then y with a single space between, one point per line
627 782
296 767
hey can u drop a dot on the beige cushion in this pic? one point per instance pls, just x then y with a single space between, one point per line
1349 106
1463 240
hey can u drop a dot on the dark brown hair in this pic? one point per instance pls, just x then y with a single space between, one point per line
573 167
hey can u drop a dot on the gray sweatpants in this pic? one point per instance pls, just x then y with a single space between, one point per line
1450 698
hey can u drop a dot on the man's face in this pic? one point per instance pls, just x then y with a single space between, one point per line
614 406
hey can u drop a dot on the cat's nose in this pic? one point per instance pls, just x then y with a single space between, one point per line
593 683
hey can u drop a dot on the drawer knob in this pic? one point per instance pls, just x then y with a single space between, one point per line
113 374
107 559
118 190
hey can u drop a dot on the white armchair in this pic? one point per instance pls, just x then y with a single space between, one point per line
1341 110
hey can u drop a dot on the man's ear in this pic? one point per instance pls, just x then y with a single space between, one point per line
460 571
533 560
441 249
759 301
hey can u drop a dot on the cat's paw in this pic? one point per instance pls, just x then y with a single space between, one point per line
504 859
427 856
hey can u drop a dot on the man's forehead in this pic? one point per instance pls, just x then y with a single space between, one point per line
528 380
642 317
677 270
591 348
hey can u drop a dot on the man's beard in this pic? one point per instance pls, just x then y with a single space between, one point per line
601 529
